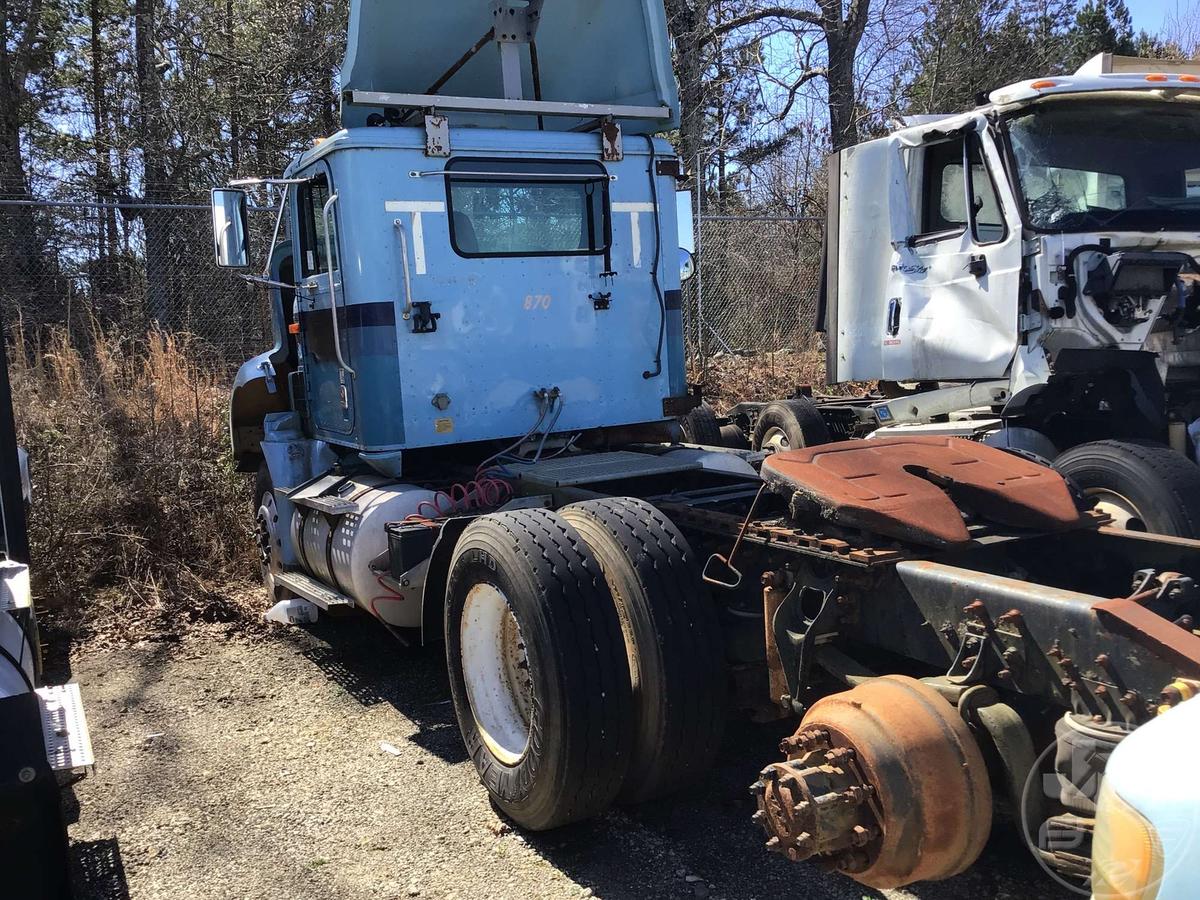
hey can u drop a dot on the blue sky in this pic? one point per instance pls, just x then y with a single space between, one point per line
1151 14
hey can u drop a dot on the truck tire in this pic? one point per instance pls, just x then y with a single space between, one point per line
537 668
790 425
700 426
734 438
267 530
672 638
1145 487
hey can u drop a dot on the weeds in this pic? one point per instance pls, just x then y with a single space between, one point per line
137 511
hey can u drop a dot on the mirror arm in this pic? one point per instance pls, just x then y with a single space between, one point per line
266 282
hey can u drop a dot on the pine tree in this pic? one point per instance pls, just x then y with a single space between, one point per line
1101 26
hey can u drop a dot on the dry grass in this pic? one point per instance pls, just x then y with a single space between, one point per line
139 523
730 378
138 517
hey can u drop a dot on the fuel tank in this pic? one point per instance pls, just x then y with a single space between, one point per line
339 548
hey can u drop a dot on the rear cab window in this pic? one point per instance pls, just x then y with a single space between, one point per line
529 207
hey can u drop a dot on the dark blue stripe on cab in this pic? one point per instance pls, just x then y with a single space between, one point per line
356 315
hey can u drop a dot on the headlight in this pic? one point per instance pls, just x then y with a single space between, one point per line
1127 857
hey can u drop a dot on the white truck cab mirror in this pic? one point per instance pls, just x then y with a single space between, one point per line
231 238
687 264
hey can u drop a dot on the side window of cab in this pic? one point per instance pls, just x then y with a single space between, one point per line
942 177
311 199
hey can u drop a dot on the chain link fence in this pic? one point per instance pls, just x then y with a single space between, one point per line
127 268
755 290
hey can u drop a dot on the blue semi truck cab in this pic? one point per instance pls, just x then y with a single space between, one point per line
456 254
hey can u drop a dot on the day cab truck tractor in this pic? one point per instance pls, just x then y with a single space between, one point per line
1025 274
467 429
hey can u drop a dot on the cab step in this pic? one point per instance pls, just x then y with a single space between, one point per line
316 593
65 728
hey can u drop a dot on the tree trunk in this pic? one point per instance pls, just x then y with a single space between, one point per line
235 130
842 35
21 264
155 222
687 21
106 232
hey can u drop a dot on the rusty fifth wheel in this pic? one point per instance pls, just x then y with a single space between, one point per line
883 782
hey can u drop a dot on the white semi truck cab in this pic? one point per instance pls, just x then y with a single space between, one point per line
1026 273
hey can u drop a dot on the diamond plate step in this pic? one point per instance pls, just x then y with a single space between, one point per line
65 728
312 590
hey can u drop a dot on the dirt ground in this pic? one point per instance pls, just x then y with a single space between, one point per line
326 763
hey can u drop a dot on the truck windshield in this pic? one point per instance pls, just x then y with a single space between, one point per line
1089 165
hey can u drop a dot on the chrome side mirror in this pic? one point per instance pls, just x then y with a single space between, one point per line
231 234
687 265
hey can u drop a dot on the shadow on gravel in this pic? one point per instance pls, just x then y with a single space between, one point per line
702 843
97 871
699 843
363 659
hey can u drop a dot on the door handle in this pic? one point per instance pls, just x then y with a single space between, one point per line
893 316
333 309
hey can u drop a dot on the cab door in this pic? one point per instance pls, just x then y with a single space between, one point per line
952 291
328 370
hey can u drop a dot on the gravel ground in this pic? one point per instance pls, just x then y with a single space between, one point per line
326 763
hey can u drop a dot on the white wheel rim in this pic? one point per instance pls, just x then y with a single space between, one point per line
1120 509
268 539
775 439
496 671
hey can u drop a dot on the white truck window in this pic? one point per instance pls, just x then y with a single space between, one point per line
1092 165
943 200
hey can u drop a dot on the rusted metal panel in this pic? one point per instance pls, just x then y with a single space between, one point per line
779 534
918 488
774 591
1142 626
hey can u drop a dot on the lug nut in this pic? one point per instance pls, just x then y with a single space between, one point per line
862 835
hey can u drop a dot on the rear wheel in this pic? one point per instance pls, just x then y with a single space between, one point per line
790 425
700 426
672 639
537 668
1144 487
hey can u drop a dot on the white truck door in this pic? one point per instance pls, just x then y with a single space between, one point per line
868 213
953 285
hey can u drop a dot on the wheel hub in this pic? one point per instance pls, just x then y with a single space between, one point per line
775 439
267 526
1120 509
818 805
883 782
496 672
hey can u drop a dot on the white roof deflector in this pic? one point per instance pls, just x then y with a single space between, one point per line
507 64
